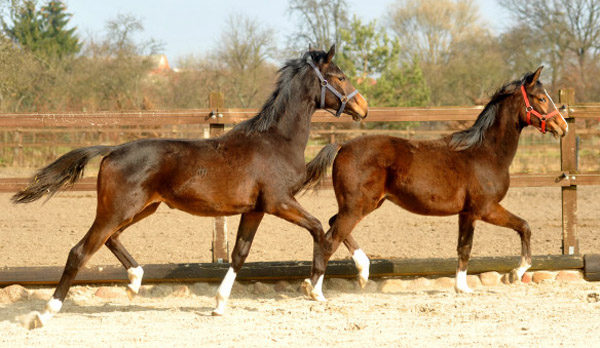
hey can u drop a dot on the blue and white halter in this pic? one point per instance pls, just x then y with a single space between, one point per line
325 85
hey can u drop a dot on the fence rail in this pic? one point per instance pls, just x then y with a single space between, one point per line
233 116
217 117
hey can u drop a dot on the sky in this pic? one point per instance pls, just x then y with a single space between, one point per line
187 27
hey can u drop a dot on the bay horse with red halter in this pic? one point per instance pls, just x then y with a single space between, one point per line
255 168
464 174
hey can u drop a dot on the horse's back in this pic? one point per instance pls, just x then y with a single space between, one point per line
424 177
196 176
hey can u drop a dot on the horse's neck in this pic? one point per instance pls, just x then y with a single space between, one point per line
502 139
293 122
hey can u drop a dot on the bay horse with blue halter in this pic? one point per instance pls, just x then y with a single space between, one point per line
255 168
464 174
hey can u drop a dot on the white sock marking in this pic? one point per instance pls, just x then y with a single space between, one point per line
135 278
52 307
461 282
318 290
361 260
522 270
224 291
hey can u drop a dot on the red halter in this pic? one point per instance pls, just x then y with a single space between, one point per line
529 109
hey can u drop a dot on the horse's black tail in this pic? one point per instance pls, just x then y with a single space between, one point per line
60 174
316 169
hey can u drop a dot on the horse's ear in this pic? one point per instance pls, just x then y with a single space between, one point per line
535 77
330 54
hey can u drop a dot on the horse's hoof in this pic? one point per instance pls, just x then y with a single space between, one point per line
362 281
216 313
463 290
32 321
513 276
317 297
131 294
306 287
310 292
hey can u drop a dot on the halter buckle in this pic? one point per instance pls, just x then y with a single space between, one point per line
324 83
529 108
344 99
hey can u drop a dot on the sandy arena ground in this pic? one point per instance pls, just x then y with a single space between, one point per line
41 234
550 314
545 315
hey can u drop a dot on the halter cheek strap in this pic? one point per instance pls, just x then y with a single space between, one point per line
326 86
529 109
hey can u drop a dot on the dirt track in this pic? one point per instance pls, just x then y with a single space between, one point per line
42 233
544 315
551 314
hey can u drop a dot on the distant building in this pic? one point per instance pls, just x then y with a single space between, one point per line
160 64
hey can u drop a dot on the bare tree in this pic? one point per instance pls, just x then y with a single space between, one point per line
113 70
428 29
570 33
244 49
320 22
445 38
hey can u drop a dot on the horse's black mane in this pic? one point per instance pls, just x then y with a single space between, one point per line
283 93
473 136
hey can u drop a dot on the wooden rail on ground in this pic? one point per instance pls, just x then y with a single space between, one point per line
217 116
271 271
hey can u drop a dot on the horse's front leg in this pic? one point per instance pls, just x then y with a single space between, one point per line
466 228
290 210
338 232
249 223
502 217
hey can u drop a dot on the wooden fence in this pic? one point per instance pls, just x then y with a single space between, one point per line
217 117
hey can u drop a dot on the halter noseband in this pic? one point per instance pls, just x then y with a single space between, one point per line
325 85
543 118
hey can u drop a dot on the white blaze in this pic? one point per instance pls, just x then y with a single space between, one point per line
561 116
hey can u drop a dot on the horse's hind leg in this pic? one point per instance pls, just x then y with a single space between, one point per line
502 217
340 232
361 260
134 270
78 256
110 218
466 228
243 241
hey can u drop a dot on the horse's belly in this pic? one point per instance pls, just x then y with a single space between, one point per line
428 202
199 197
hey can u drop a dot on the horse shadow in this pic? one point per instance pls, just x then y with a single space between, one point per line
16 312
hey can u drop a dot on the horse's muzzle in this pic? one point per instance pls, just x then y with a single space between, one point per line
359 108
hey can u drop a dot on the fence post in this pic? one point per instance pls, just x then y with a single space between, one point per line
568 161
18 158
220 245
332 134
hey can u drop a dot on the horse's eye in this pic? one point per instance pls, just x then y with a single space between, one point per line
542 99
342 78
